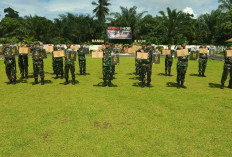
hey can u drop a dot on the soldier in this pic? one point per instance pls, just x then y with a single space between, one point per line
227 69
23 63
169 61
138 63
69 65
58 62
82 59
10 63
203 58
107 68
182 65
146 66
38 64
115 50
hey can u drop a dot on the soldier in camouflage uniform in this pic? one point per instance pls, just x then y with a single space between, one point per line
23 63
10 63
115 50
58 63
107 65
203 58
82 59
38 64
182 65
69 65
146 66
168 62
227 69
138 62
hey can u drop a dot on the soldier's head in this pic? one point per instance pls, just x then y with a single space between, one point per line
81 45
229 45
143 44
7 43
37 44
183 44
68 44
111 45
107 45
148 45
203 45
169 46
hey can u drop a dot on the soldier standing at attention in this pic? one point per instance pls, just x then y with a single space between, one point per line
182 65
227 69
82 59
138 62
203 58
168 61
106 63
69 65
23 63
10 63
58 62
38 64
146 66
114 51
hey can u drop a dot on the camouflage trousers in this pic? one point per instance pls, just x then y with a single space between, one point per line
53 64
226 71
168 66
11 69
23 64
202 65
107 73
113 69
146 69
70 67
136 67
181 72
58 67
82 66
38 68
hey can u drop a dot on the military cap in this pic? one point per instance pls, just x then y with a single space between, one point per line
68 42
169 45
204 44
107 43
148 43
182 42
81 43
143 43
229 44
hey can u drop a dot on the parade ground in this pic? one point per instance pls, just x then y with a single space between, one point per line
125 120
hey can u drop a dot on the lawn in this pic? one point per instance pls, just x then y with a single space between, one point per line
125 120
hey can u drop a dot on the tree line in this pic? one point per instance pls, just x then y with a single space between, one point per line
168 27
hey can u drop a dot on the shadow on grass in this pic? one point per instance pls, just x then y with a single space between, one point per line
134 78
70 82
171 84
83 74
214 85
139 84
101 83
131 73
163 74
196 75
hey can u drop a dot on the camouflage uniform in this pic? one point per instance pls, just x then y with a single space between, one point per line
69 65
146 68
138 64
114 51
226 71
38 64
82 61
107 66
182 65
58 63
168 63
203 58
23 65
10 64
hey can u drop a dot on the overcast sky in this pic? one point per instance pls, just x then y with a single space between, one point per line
52 8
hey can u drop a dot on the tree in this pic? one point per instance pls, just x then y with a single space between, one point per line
225 4
11 13
102 10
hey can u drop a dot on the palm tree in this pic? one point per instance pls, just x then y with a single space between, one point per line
102 9
225 4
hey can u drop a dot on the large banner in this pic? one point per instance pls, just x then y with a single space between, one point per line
119 33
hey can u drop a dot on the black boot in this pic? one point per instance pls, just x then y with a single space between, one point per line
203 75
166 74
66 81
149 84
104 84
222 86
26 76
178 85
169 73
62 76
230 85
56 76
42 81
36 81
199 74
143 84
22 77
182 85
73 81
14 82
109 84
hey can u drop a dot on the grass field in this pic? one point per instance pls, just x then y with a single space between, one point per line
125 120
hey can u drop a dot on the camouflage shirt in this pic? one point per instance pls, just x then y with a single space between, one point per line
81 54
67 60
106 60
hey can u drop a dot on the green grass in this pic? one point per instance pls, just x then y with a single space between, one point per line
89 120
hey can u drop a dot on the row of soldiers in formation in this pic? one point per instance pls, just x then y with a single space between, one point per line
143 66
